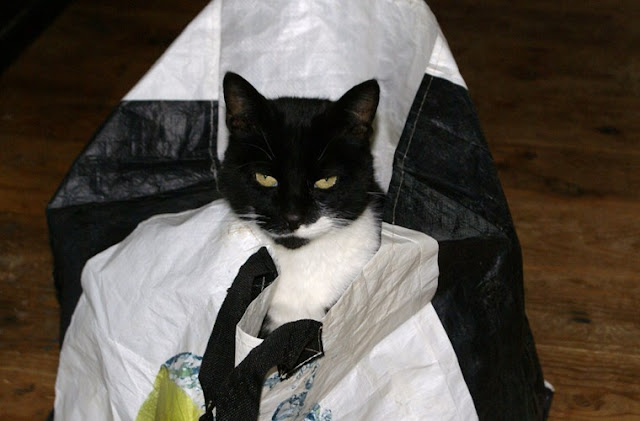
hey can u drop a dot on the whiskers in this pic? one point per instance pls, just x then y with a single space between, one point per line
248 164
314 230
376 193
340 222
335 222
266 141
252 217
269 155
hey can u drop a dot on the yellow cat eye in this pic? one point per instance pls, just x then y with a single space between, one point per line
266 180
326 183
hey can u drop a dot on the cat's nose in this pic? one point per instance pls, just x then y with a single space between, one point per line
293 220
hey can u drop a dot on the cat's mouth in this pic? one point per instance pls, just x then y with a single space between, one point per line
304 233
290 241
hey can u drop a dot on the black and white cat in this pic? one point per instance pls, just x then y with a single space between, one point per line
301 169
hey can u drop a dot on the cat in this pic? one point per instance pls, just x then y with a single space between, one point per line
301 170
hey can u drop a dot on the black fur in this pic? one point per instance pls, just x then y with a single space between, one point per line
298 141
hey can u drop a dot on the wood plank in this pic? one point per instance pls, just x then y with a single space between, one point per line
558 73
52 100
577 232
591 385
557 88
27 387
572 171
582 289
28 319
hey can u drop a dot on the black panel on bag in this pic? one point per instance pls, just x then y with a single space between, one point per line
144 148
149 157
445 185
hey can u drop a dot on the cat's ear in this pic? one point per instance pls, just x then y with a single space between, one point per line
360 104
243 102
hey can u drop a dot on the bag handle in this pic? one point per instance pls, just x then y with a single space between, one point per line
234 392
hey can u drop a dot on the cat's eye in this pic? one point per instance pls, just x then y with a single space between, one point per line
266 180
326 183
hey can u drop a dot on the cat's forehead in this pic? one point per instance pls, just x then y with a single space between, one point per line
299 134
300 111
300 127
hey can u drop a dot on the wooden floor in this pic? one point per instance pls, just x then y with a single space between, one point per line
557 87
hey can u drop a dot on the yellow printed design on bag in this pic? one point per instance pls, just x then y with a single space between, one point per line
170 398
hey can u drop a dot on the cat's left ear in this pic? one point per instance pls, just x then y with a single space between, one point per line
245 105
360 103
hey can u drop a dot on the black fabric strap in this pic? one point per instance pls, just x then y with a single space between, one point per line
239 397
235 392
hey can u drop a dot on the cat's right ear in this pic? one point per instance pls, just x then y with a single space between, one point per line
244 103
359 105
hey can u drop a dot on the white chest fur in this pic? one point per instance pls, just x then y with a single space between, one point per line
313 277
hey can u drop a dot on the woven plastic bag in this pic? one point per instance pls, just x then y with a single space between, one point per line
142 320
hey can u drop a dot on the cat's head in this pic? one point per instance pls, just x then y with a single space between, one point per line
298 167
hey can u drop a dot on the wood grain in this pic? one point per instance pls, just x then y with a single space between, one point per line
52 100
557 88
